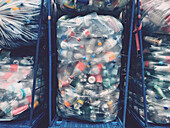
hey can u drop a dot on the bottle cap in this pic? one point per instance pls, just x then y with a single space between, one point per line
104 68
78 39
100 43
92 79
21 4
81 46
80 101
161 63
67 104
72 77
165 107
84 58
93 55
63 37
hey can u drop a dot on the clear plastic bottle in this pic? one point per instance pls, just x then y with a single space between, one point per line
108 44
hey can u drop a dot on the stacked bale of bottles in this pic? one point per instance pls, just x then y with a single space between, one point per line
92 5
88 70
19 23
157 59
16 83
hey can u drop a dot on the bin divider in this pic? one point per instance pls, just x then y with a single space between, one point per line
128 63
36 63
50 61
143 75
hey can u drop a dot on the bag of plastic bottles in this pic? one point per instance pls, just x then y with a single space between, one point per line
19 23
16 82
92 5
157 70
89 50
156 15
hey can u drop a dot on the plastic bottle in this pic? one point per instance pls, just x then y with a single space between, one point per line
70 98
79 104
90 46
96 69
79 68
69 46
108 57
153 40
151 64
162 68
108 44
78 56
156 48
159 91
66 54
12 87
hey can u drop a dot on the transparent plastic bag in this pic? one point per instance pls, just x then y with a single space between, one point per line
16 82
19 22
89 50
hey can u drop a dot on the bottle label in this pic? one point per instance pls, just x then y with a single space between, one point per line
19 110
99 78
100 66
168 58
111 56
146 63
81 66
14 68
7 75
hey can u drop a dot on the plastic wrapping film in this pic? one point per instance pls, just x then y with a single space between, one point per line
88 67
19 22
156 15
92 5
16 83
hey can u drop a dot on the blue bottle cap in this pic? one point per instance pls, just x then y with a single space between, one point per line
157 97
28 21
93 55
161 63
84 58
63 37
89 63
60 51
165 107
115 38
21 4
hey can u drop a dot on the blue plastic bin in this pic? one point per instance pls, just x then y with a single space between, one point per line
33 117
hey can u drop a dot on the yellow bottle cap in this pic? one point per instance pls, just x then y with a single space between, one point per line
36 103
80 101
109 103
